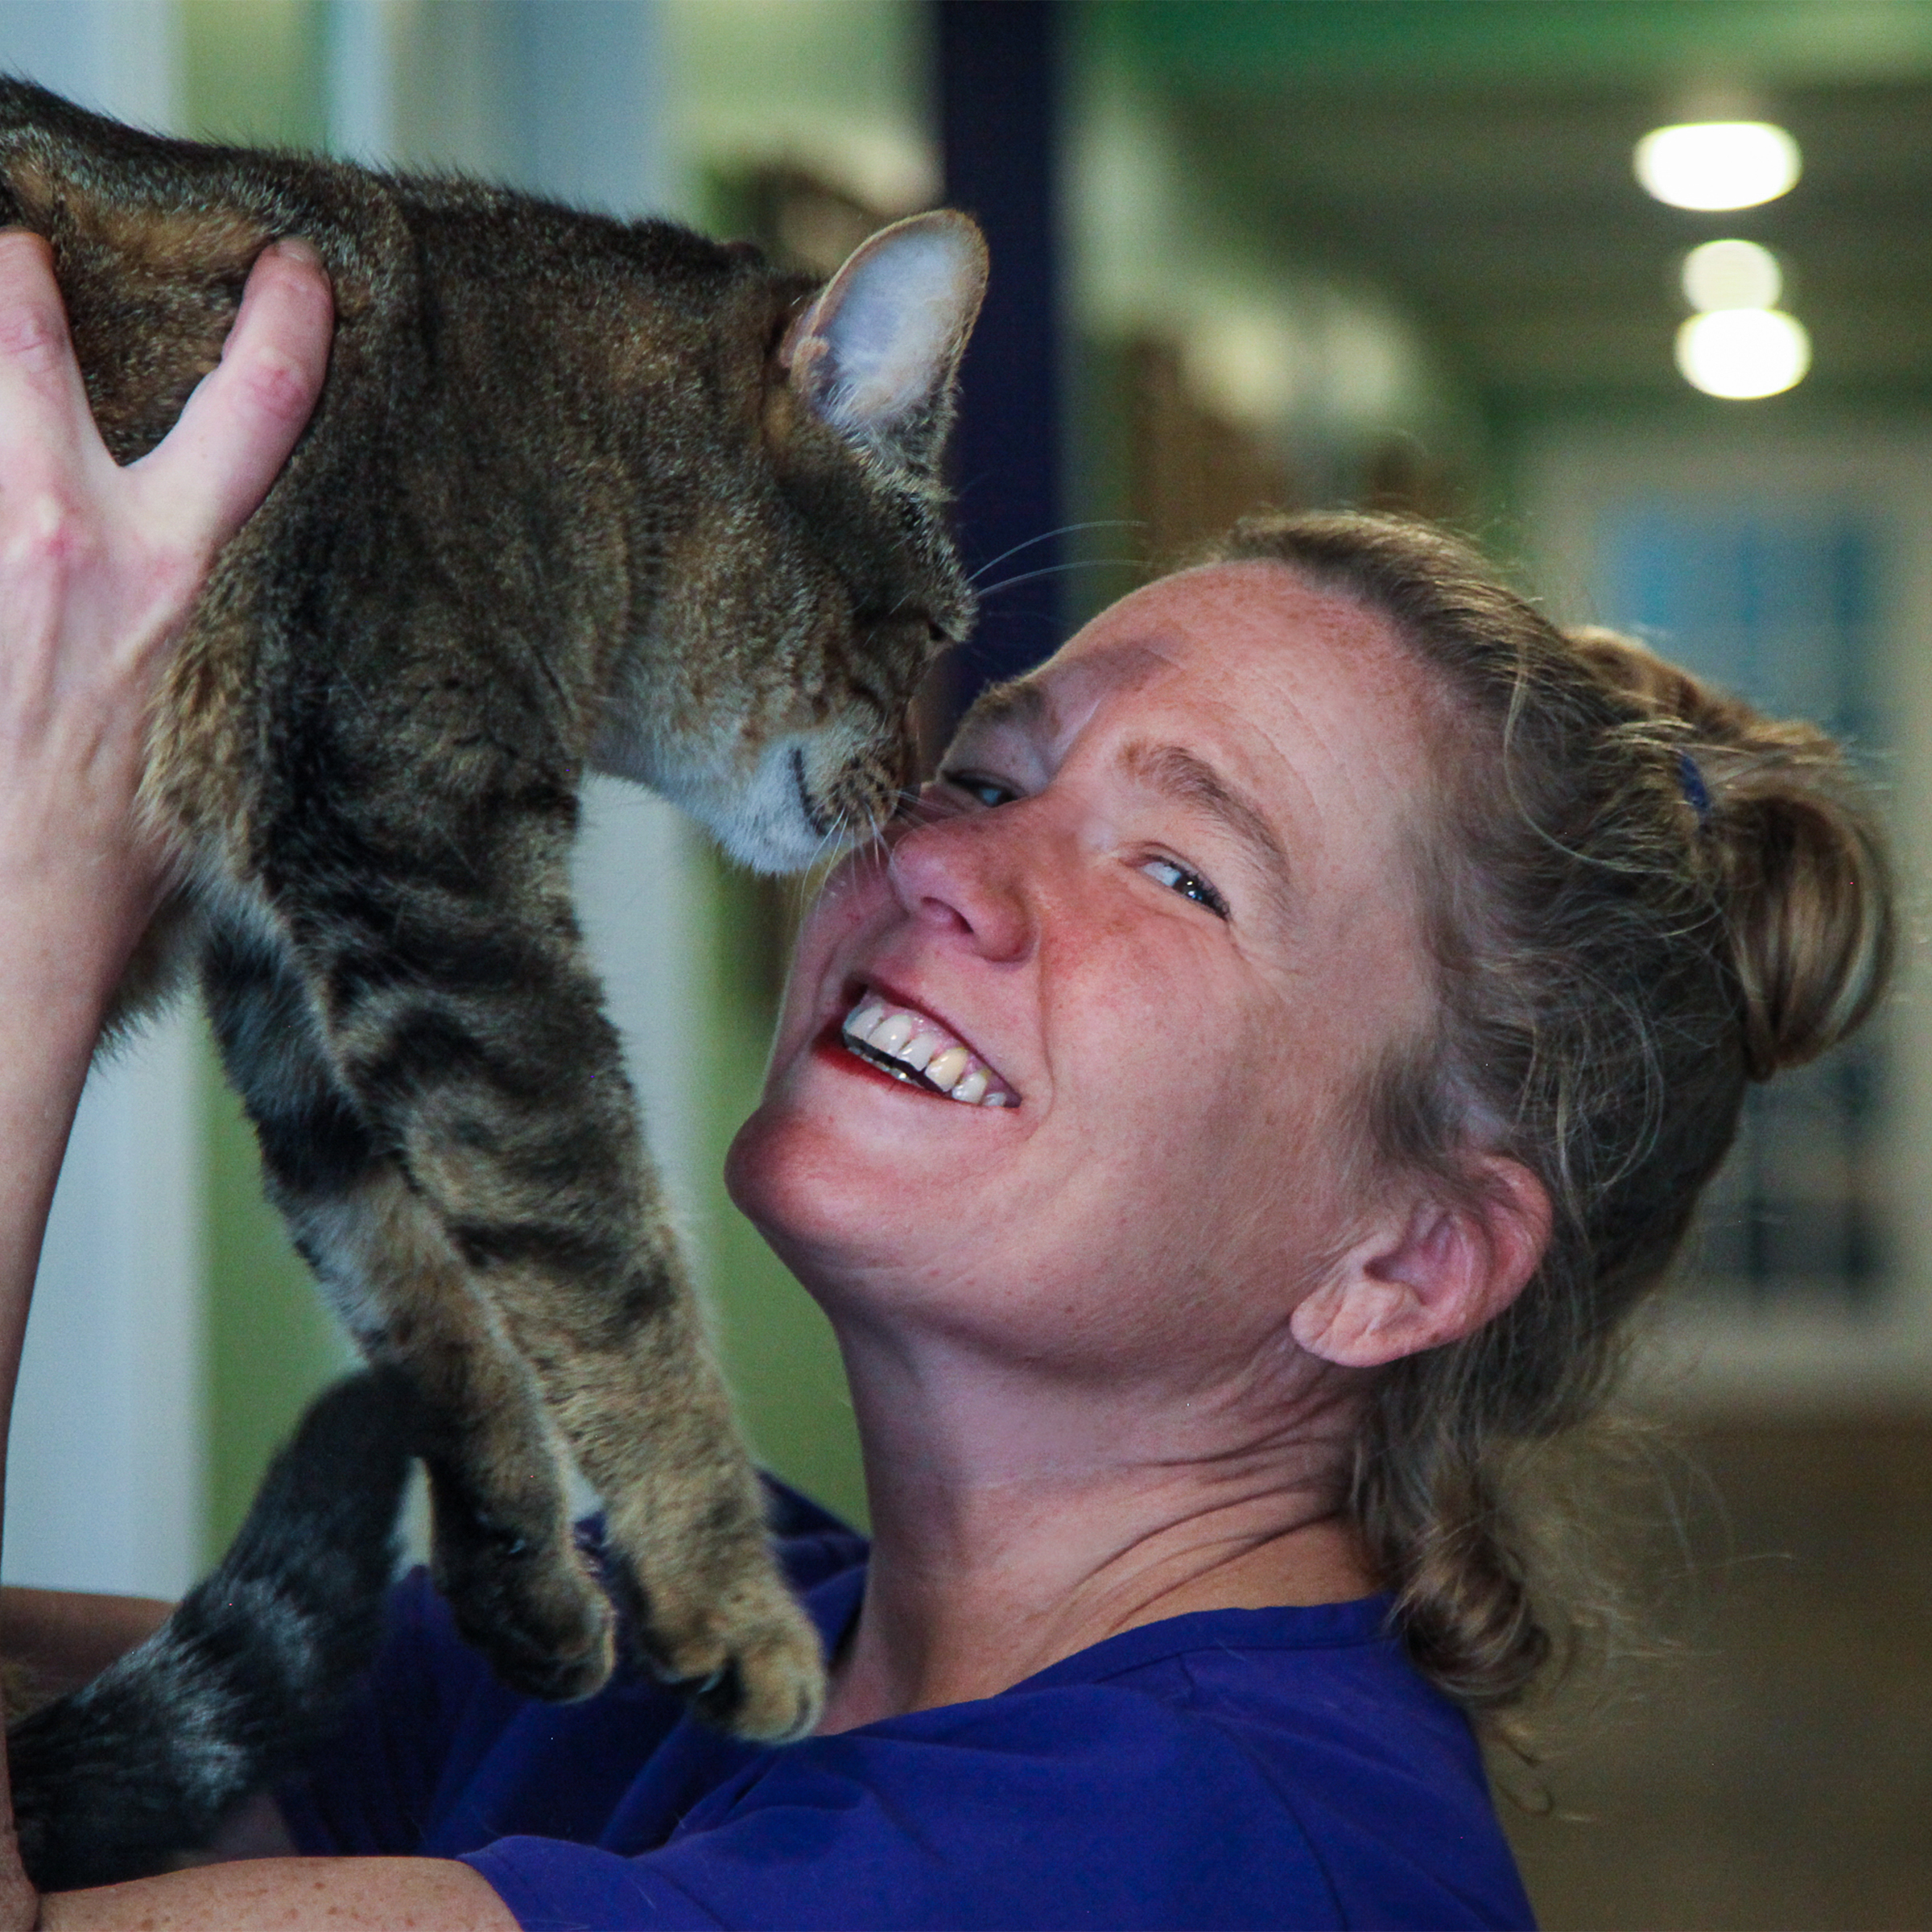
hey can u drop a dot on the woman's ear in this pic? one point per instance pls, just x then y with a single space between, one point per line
1443 1271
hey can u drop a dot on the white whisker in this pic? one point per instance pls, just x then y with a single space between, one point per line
1066 529
1052 570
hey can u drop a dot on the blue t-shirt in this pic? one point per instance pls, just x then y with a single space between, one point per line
1232 1768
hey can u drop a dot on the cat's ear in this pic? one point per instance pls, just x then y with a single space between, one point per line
873 354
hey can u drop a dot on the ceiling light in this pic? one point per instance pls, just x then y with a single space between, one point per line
1741 353
1732 275
1711 164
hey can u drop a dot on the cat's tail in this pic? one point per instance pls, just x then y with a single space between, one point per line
225 1698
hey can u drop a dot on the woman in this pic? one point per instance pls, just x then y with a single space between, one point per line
1245 1100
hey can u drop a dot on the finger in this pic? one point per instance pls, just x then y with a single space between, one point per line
217 464
43 400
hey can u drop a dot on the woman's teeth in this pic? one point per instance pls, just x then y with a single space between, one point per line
918 1051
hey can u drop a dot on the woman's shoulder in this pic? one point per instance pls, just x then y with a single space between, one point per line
1227 1768
1223 1768
1319 1714
1333 1674
1321 1702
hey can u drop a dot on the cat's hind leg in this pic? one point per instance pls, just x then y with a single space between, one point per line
504 1551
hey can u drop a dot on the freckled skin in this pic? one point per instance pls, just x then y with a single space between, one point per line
1180 1076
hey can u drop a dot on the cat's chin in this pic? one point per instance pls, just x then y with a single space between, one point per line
777 819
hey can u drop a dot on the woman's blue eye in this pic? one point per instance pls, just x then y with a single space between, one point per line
1189 884
982 791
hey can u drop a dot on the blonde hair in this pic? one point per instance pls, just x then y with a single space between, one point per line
1640 894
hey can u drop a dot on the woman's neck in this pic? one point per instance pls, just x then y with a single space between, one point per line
1015 1523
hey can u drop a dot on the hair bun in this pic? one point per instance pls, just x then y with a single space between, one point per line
1804 878
1637 891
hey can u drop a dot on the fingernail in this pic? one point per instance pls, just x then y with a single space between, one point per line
298 248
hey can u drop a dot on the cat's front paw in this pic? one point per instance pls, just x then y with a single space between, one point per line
536 1658
530 1608
750 1662
770 1690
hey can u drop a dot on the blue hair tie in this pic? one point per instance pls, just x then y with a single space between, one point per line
1696 793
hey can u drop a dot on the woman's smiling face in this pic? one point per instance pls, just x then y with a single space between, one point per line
1163 897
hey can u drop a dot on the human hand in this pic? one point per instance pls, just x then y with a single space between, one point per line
100 567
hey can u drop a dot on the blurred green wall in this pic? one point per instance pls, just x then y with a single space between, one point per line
270 1345
252 71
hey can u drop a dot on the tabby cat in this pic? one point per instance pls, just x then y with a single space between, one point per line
580 494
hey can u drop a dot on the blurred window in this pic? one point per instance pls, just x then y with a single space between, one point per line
1777 602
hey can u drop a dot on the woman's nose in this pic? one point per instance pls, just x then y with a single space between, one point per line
961 876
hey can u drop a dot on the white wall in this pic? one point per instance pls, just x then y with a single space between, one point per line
104 1488
105 1482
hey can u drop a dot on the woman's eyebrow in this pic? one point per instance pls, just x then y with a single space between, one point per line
1182 775
1020 702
